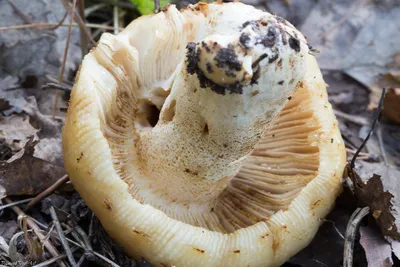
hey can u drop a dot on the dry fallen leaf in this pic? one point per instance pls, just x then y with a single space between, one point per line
382 194
35 52
377 250
15 130
391 107
23 174
358 37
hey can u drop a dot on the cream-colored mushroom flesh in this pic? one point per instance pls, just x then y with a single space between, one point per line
204 137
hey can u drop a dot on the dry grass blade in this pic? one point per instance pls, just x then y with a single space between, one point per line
61 235
352 118
31 224
49 26
56 86
15 203
60 78
350 234
22 14
78 20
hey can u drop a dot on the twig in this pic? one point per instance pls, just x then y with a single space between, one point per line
353 118
78 20
22 14
49 232
83 35
81 260
31 224
61 235
15 203
48 190
64 61
156 5
378 112
74 234
350 234
60 22
52 260
95 253
91 225
84 236
56 86
353 151
47 26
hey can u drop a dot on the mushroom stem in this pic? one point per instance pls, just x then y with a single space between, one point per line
224 96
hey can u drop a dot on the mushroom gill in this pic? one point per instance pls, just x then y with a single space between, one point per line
205 137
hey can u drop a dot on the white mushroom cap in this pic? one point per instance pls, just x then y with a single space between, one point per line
219 179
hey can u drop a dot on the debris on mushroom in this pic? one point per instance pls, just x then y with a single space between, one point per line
207 136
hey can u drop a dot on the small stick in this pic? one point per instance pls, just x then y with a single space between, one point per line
353 118
31 224
74 234
84 236
350 235
96 254
64 61
56 86
15 203
82 258
78 20
52 260
48 191
83 35
61 235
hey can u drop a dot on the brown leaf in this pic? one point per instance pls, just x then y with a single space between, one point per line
23 174
391 106
381 194
377 250
15 130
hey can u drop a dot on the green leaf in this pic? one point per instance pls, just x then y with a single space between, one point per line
147 6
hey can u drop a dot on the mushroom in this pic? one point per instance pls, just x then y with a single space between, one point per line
204 137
